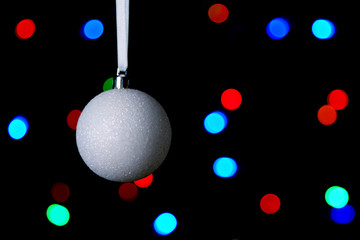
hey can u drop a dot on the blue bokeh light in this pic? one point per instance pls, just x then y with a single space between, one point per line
277 28
343 215
323 29
93 29
18 127
215 122
225 167
165 224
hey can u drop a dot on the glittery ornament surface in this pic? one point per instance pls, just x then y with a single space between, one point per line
123 135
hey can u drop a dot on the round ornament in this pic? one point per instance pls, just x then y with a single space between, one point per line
123 135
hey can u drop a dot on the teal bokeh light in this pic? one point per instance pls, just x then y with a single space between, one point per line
58 215
18 127
337 197
323 29
225 167
215 122
165 224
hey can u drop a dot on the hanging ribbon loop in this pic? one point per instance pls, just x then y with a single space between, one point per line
122 27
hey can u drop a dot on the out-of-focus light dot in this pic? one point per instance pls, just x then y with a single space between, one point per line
225 167
18 127
338 99
93 29
327 115
336 197
108 84
277 28
144 182
128 192
343 215
215 122
72 118
58 215
323 29
270 203
165 224
25 29
218 13
231 99
60 192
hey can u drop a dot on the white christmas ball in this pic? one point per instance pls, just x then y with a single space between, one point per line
123 135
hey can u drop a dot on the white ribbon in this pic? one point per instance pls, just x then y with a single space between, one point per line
122 26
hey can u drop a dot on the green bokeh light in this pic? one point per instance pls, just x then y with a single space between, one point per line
108 84
58 215
337 197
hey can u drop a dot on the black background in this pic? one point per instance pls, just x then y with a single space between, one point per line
185 61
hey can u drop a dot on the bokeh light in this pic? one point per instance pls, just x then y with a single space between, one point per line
327 115
72 118
144 182
25 29
18 127
218 13
60 192
108 84
231 99
270 203
277 28
323 29
343 215
58 215
215 122
338 99
225 167
337 197
165 224
128 192
93 29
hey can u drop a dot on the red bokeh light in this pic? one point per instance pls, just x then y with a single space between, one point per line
218 13
25 29
144 182
128 192
270 203
72 118
60 192
327 115
338 99
231 99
